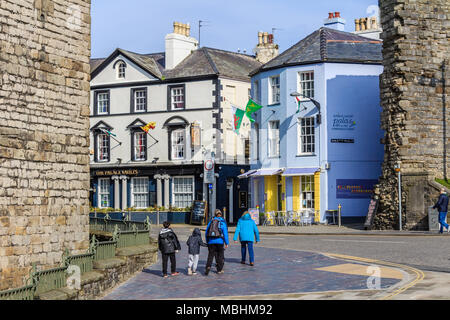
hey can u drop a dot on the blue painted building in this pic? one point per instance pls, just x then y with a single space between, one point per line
324 150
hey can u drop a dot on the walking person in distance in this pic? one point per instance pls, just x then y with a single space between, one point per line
168 244
247 231
217 240
442 206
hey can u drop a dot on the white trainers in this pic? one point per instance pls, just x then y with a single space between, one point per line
190 271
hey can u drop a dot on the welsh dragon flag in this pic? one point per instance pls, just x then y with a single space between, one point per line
238 115
252 106
298 104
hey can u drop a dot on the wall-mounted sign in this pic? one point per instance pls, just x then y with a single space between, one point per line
342 140
117 172
343 122
354 188
208 170
243 199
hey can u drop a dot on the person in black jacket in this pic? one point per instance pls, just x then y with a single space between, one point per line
194 242
168 244
442 206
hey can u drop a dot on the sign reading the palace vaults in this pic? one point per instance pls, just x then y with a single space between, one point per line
354 188
343 122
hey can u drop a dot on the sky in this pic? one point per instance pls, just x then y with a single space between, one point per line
141 25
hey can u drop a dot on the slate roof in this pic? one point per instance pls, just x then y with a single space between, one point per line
201 62
328 45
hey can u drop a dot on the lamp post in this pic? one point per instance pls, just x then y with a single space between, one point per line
315 102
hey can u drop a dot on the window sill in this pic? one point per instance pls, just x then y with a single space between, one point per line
306 155
274 157
274 104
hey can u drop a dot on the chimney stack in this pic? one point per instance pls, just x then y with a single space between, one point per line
368 27
179 44
265 49
335 21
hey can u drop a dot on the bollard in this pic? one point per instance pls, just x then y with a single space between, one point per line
339 214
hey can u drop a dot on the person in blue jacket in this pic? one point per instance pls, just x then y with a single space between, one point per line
217 239
248 232
442 206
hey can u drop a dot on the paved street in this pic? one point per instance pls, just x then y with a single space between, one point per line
322 266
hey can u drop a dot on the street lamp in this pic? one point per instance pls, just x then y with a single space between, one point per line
316 103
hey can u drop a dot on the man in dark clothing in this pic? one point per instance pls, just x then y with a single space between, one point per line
168 244
442 206
217 243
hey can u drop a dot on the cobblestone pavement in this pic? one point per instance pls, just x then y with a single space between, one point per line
277 273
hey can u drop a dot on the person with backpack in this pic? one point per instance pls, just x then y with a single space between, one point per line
194 242
442 206
168 244
248 232
217 240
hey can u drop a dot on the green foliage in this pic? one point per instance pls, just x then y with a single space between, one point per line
443 182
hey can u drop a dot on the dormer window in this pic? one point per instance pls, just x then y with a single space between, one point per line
121 67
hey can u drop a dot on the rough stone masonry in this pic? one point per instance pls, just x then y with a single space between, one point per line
44 125
416 35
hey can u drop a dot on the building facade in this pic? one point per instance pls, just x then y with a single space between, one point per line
187 93
322 150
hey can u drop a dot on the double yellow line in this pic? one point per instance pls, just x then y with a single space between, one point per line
418 273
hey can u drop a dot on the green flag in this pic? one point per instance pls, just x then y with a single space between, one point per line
252 106
238 115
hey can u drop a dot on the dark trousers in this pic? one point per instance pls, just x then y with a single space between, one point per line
216 251
173 262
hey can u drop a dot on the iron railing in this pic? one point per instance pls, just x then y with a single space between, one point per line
23 293
51 279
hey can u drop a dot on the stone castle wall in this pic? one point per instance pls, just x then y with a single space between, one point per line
415 37
44 125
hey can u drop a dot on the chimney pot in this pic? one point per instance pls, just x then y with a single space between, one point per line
357 27
363 23
270 38
188 30
260 34
337 14
330 15
265 37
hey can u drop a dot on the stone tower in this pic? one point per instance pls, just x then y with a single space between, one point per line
415 116
44 125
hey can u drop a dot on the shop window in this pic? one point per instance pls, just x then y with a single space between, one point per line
104 196
139 192
182 191
307 192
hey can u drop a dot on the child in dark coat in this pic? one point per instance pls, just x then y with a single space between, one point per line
194 242
168 244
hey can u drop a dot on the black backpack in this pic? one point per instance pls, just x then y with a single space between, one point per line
214 230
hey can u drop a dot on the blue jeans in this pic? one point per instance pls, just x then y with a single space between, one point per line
442 221
244 245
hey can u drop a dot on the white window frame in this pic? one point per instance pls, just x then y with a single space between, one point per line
256 87
273 134
102 102
174 192
304 181
137 155
177 92
173 146
134 192
121 70
274 90
102 192
303 134
140 102
101 145
306 84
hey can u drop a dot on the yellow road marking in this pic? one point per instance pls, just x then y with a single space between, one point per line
361 270
418 273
